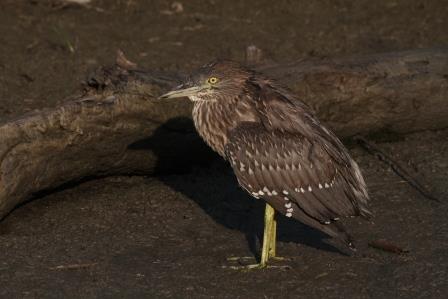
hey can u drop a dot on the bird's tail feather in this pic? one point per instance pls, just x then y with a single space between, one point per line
344 236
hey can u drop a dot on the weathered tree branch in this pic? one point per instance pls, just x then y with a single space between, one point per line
401 92
101 131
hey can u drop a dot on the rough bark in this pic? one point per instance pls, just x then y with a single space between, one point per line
118 127
400 92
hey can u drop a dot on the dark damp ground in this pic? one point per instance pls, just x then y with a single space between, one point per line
168 236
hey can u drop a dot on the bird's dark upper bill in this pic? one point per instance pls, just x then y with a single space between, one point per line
179 93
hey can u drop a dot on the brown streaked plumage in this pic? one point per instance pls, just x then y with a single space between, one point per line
279 151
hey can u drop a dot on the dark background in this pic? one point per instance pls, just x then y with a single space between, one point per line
168 236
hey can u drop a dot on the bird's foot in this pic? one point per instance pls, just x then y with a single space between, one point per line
245 263
248 258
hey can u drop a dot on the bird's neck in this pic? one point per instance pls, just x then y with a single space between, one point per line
213 120
216 118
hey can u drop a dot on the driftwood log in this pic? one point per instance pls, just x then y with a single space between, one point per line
117 125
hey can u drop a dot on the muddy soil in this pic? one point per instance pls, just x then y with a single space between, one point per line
168 236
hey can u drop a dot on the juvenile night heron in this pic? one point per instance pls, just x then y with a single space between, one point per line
278 150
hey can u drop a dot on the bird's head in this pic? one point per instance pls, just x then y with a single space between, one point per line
216 81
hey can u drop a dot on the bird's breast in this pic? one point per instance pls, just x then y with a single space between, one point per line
213 124
215 119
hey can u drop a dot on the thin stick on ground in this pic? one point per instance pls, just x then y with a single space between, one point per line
400 171
388 246
73 266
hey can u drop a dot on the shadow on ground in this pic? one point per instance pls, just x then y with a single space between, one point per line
238 210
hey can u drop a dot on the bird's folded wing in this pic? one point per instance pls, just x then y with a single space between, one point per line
280 111
296 176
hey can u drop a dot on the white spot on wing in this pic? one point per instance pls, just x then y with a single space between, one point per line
320 186
326 185
288 214
266 190
310 189
288 205
285 192
274 192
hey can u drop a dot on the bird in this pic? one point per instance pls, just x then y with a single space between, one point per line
278 150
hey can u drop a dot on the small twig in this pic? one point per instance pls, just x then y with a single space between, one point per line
125 63
385 245
400 171
73 266
64 40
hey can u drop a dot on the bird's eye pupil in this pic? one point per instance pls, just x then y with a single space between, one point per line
212 80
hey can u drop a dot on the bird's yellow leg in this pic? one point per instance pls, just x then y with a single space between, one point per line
270 226
269 244
272 234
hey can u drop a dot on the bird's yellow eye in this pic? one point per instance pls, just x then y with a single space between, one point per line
212 80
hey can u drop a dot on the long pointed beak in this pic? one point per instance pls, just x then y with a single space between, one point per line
179 93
